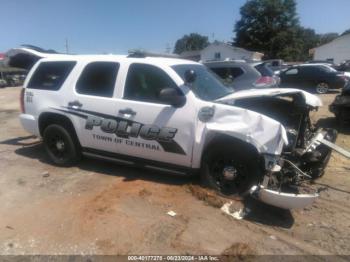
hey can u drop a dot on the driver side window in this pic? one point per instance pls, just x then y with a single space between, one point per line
144 83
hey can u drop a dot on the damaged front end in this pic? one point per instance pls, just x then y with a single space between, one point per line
286 183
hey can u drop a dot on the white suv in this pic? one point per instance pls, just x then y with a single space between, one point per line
173 115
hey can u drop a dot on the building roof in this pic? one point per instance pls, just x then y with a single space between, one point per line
335 40
234 48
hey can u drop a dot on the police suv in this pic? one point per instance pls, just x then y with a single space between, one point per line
170 114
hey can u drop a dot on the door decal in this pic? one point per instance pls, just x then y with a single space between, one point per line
126 128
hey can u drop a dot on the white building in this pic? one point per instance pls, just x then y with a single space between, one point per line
219 51
337 51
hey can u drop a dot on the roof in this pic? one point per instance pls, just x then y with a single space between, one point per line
158 60
335 40
234 48
120 58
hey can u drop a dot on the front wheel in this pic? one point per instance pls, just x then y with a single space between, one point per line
61 145
230 169
322 88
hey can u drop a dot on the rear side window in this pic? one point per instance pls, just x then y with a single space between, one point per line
98 79
51 75
264 70
228 72
293 71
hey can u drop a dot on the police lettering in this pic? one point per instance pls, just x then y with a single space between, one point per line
124 129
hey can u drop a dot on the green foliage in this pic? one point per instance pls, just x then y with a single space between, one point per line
270 26
328 37
191 42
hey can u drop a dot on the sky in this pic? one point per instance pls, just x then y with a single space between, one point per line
115 26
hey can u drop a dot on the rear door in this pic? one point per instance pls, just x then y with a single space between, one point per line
90 100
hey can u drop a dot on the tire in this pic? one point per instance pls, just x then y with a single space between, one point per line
61 146
230 169
322 88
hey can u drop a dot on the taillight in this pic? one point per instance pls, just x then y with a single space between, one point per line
21 101
344 77
264 80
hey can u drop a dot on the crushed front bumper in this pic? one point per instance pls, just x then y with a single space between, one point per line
311 163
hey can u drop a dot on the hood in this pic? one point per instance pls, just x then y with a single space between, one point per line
310 99
26 57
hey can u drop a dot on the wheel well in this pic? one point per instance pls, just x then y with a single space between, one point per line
46 119
224 140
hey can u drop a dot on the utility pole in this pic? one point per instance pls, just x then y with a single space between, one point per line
168 48
67 49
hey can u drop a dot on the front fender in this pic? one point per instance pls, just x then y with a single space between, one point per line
267 135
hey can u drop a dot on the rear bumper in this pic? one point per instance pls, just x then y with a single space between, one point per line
30 124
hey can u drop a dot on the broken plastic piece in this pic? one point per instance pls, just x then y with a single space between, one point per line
239 215
282 200
171 213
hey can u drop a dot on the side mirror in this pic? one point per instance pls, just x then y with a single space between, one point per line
190 76
172 96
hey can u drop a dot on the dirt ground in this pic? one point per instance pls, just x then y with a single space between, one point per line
104 208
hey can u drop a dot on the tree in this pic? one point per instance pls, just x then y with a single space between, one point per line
308 39
328 37
191 42
269 26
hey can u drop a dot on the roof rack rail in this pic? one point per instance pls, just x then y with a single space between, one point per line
141 54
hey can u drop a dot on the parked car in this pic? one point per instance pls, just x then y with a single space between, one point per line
3 83
341 106
241 75
174 115
317 78
276 65
344 66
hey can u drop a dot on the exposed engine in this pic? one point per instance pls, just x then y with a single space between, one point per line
303 158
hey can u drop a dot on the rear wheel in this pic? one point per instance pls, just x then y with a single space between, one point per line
61 146
230 170
322 88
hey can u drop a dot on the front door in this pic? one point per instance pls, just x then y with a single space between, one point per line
155 131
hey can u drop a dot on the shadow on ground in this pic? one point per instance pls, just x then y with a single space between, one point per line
258 212
261 213
35 150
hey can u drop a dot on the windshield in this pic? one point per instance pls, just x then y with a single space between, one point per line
206 85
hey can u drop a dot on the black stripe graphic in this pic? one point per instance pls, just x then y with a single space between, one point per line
168 146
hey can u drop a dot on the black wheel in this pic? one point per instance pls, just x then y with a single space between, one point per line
230 169
61 146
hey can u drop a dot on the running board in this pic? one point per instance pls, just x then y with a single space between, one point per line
134 163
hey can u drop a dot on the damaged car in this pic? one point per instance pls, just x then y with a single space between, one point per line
174 115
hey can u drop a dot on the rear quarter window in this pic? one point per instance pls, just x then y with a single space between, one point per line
51 75
264 70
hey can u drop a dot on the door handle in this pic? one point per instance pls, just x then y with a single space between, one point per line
75 104
127 111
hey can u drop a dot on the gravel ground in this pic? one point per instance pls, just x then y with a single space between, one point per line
103 208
